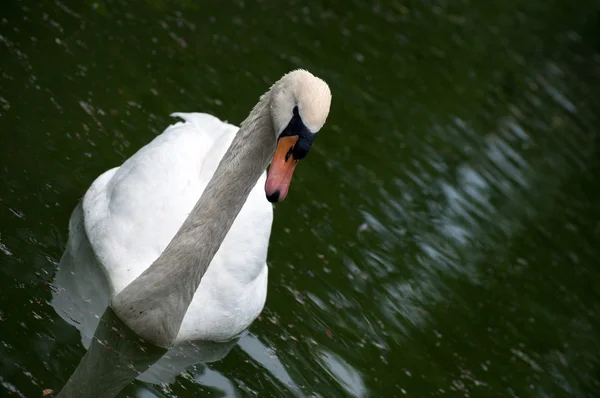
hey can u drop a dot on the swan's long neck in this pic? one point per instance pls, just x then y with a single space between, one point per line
154 304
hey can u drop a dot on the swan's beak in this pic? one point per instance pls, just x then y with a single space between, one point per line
281 171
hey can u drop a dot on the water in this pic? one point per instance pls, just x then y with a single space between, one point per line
440 239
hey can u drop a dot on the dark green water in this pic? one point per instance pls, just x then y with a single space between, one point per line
440 240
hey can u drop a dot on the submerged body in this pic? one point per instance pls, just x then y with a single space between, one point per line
131 213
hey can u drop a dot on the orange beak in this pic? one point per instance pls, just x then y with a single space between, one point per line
281 171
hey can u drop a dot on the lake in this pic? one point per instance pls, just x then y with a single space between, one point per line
441 239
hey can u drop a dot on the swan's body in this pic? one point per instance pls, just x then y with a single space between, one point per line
176 237
132 212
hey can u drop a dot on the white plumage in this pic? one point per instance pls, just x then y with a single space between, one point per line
131 213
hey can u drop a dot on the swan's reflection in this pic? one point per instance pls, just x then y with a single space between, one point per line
114 358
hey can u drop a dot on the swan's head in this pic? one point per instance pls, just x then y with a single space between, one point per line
299 106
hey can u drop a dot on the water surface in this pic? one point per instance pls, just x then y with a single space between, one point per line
440 239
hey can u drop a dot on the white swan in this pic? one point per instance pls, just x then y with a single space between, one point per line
151 227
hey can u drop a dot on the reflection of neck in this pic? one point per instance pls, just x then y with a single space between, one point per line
154 304
116 356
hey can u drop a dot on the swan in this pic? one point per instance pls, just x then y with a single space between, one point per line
175 239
